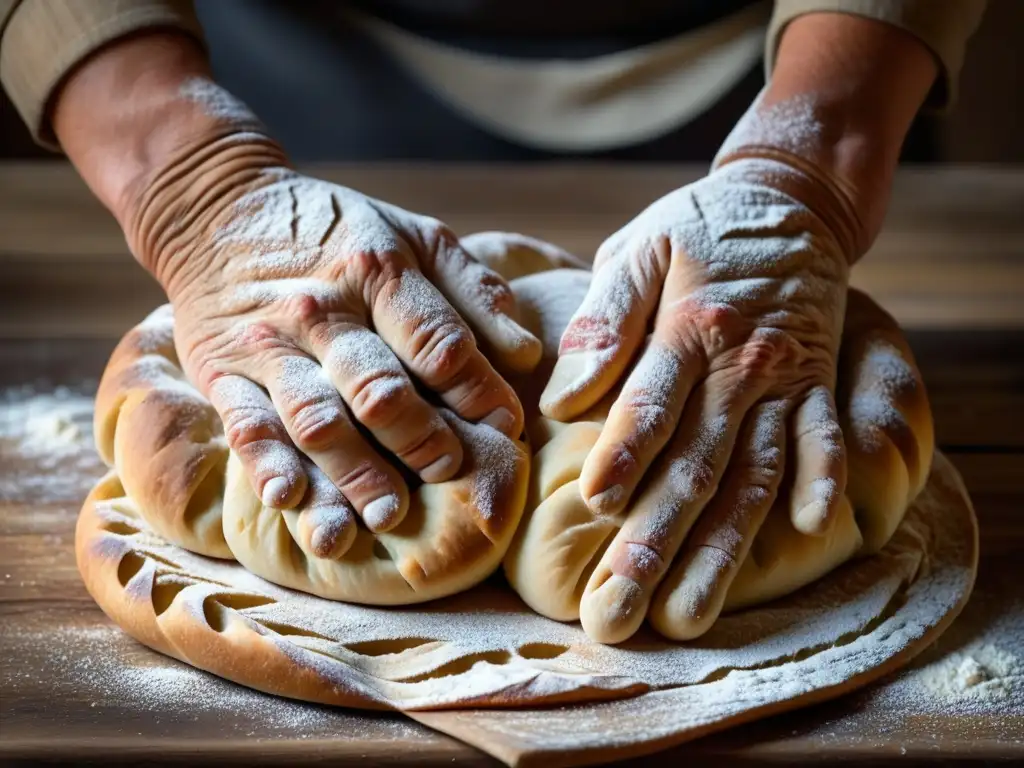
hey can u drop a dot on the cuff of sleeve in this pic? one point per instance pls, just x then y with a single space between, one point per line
43 40
942 25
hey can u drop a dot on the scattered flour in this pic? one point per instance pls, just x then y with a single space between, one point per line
985 671
102 665
985 675
46 444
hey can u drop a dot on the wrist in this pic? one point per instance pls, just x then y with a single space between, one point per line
182 204
155 138
839 104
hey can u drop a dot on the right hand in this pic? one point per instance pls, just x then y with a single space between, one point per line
306 310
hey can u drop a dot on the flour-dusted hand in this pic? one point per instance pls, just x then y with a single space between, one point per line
306 310
738 284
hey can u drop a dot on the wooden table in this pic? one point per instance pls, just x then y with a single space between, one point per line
950 266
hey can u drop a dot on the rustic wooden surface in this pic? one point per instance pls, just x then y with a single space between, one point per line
950 266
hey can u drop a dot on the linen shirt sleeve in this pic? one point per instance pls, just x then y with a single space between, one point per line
944 26
41 42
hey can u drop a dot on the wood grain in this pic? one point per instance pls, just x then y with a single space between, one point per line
950 265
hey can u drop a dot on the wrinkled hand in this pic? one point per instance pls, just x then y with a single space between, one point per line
743 277
310 315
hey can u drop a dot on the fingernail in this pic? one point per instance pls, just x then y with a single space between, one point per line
523 350
333 537
439 470
812 519
501 419
696 603
614 611
608 501
572 373
382 514
275 492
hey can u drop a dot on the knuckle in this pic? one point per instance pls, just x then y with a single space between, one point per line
492 293
697 476
303 309
471 396
648 418
246 426
588 332
317 425
379 400
637 560
363 477
258 341
369 265
429 442
258 334
694 326
760 469
363 264
444 352
827 431
763 349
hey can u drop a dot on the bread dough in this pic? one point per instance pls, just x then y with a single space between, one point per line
142 526
484 648
886 423
166 443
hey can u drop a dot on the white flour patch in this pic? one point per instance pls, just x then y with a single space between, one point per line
984 675
46 445
103 666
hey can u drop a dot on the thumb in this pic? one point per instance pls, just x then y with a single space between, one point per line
604 334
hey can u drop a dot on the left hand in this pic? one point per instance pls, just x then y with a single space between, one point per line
744 274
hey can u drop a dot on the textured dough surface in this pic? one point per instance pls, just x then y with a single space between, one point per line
484 647
887 426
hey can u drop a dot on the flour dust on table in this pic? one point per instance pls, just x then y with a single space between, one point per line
46 443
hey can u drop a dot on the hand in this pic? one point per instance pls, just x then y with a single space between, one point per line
310 315
314 318
744 275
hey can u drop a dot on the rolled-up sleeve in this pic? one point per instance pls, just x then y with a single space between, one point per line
942 25
41 41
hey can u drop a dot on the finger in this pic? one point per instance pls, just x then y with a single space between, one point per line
484 299
605 331
255 432
383 399
691 597
319 426
327 524
819 463
640 423
619 591
430 338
